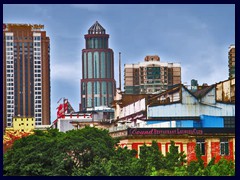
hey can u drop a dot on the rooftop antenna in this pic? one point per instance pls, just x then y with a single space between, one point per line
59 100
120 71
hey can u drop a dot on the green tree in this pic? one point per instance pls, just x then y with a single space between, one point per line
124 162
85 144
174 158
196 168
53 153
151 159
222 168
35 155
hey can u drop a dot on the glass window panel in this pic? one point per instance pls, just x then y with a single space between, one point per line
96 64
96 43
85 65
90 68
104 88
83 88
103 65
92 42
98 87
89 94
108 65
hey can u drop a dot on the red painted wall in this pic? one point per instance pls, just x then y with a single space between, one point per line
169 144
191 154
216 151
135 146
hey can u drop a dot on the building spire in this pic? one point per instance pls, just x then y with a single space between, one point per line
96 28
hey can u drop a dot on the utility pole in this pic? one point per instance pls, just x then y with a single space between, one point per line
120 83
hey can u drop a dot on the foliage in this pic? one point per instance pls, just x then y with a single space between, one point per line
92 152
54 153
151 159
174 158
124 162
10 136
223 168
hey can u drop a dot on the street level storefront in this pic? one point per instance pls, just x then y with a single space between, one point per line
213 142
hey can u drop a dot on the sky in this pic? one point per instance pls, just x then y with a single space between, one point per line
197 36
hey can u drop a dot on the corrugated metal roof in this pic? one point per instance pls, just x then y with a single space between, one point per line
202 92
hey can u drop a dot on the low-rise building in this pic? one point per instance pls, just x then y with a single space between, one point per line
205 118
24 124
100 118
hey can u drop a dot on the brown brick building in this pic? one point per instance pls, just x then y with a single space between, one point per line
26 73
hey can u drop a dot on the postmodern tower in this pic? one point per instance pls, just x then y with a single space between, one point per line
97 83
26 73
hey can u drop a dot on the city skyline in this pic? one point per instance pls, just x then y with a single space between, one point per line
196 36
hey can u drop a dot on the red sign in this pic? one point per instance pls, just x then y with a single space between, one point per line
178 131
169 131
4 26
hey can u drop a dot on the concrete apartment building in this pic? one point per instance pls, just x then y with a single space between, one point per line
26 73
231 61
150 76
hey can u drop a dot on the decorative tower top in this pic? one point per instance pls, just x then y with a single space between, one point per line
152 58
96 28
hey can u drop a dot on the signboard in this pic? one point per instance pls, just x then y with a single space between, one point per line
177 131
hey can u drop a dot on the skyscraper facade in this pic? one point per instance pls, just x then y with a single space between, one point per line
231 61
26 73
97 83
150 76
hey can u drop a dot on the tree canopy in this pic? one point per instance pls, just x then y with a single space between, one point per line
93 152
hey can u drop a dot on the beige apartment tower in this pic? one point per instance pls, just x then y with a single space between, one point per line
231 61
151 76
26 73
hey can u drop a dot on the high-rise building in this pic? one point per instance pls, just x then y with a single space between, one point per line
26 73
194 85
150 76
97 83
231 61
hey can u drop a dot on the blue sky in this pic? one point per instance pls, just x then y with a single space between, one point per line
197 36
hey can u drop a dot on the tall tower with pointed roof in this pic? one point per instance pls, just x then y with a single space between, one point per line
97 83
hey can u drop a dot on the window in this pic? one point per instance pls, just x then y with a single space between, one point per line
201 145
37 38
224 147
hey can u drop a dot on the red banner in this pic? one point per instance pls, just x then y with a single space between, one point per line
60 111
65 105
